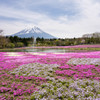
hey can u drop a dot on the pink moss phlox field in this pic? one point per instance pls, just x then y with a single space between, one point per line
12 86
76 46
78 71
18 86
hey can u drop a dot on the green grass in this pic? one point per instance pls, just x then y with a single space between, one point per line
67 49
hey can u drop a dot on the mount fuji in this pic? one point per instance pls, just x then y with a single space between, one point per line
33 32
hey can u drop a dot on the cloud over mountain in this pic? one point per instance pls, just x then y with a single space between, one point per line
61 18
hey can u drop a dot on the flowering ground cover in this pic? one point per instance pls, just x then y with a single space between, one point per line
74 48
49 76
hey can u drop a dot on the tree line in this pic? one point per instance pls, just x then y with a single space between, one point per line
15 41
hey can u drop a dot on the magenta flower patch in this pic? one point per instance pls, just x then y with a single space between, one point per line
22 75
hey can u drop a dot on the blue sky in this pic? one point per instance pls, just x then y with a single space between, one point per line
61 18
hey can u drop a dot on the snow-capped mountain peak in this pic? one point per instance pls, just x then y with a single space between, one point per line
33 32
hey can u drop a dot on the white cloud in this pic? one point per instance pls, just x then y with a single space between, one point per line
86 21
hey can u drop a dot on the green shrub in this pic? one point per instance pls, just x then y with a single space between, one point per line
19 44
10 45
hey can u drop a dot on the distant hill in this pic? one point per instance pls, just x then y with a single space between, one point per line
33 32
95 35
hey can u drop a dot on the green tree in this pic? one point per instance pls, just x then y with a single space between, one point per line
10 45
19 44
3 40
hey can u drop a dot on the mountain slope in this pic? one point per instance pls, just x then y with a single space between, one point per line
33 32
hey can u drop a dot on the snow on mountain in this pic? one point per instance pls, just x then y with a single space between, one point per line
33 32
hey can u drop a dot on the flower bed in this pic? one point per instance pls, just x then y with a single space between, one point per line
68 90
49 76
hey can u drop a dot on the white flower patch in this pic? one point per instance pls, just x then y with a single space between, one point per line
83 61
36 69
68 90
37 53
13 54
59 53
